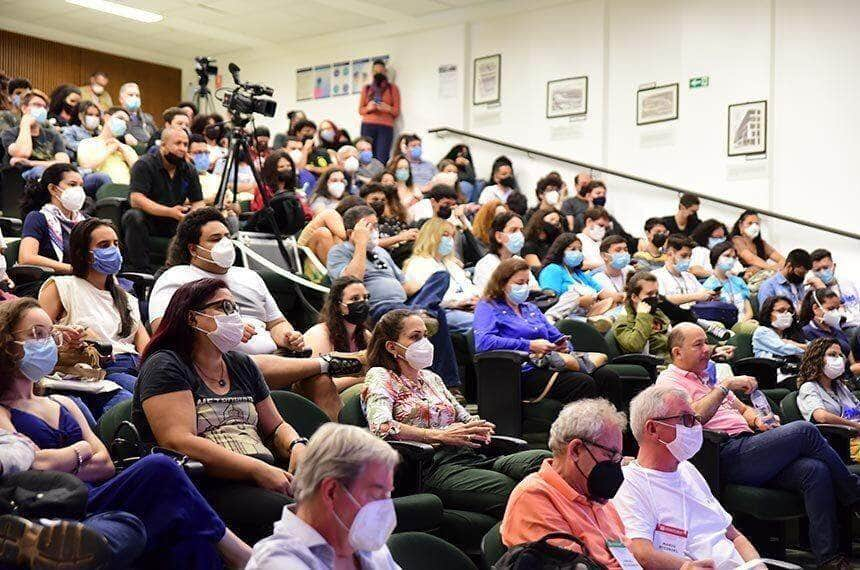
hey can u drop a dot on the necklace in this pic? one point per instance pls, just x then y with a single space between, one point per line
220 379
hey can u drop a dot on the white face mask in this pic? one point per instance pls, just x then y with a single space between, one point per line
831 317
752 231
419 354
228 333
373 524
223 253
373 241
597 233
551 197
91 122
72 198
350 164
336 189
687 442
834 367
783 321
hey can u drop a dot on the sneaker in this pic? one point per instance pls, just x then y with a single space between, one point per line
60 545
719 331
340 366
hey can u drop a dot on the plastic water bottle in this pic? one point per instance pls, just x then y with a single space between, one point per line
762 406
850 413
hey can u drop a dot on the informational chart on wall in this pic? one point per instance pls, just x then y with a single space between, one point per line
447 81
747 133
487 80
335 79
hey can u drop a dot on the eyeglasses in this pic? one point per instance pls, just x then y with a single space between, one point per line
615 456
687 420
226 306
37 333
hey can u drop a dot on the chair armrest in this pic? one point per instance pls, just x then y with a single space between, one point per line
756 361
503 445
415 456
707 460
516 356
141 282
24 273
646 361
500 389
412 449
839 438
111 201
11 226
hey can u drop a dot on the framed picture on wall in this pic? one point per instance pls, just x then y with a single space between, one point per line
657 104
487 80
567 97
747 128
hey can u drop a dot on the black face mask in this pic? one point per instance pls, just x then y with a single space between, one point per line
261 147
286 176
378 207
379 78
599 201
174 159
653 302
357 312
659 239
604 480
794 278
507 182
552 231
71 110
444 212
212 132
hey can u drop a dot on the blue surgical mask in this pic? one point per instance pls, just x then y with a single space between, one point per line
107 260
519 293
620 260
573 258
446 246
415 152
40 358
725 264
682 264
715 241
826 275
16 100
327 135
39 113
117 126
201 161
402 174
516 241
365 156
132 103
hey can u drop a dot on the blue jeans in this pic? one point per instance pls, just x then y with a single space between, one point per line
459 321
123 370
382 137
125 535
796 457
92 181
428 299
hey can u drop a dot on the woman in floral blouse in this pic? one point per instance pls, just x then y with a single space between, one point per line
404 400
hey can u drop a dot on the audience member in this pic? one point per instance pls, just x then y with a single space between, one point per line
379 107
502 182
462 158
324 231
649 250
644 328
174 118
674 280
580 201
670 515
799 459
88 125
571 491
198 152
329 190
433 252
506 242
708 235
214 135
550 192
422 170
779 333
541 231
410 196
140 124
96 91
729 287
197 395
596 220
505 321
279 175
343 325
483 222
820 318
686 219
757 255
241 183
17 88
164 189
106 153
322 154
395 233
823 396
261 150
347 158
369 166
63 108
563 272
406 401
182 530
824 268
33 145
788 280
617 268
189 108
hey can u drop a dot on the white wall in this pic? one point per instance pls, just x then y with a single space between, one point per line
800 56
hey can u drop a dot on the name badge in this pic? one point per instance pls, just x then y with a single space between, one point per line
622 555
670 539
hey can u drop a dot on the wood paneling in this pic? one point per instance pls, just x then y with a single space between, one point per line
48 64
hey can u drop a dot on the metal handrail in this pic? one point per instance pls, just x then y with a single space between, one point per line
643 180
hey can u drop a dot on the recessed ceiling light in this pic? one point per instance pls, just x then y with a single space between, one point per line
119 10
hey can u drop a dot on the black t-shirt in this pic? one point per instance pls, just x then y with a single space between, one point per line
672 225
230 419
46 144
150 178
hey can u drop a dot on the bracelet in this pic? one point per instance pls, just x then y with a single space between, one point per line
80 461
298 440
724 389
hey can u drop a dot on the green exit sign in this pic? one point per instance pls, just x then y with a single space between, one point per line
696 82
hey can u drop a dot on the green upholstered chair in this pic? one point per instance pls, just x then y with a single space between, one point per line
421 551
112 191
299 412
492 547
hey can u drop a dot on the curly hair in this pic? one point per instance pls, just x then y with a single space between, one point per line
812 362
188 232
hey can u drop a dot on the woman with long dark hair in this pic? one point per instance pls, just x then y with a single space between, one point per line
279 175
820 317
502 183
63 107
462 157
329 190
343 325
196 395
779 333
540 232
182 530
562 270
757 256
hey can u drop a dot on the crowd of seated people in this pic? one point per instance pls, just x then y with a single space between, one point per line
418 255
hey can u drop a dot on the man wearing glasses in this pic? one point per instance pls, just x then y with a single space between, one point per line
670 515
794 457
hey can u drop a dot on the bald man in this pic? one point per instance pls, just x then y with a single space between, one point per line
794 457
164 188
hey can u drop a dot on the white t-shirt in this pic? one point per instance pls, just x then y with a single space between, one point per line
683 284
485 267
590 249
460 288
494 192
255 303
615 284
662 507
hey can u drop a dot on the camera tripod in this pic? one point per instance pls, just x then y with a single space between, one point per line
204 100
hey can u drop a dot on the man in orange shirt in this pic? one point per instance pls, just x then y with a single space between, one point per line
570 492
379 107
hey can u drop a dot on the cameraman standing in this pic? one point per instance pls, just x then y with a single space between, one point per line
379 107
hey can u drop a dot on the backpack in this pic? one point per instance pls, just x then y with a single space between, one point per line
540 555
721 311
286 211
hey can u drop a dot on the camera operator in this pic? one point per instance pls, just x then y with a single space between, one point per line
164 189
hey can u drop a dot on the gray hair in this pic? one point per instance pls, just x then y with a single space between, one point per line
126 86
583 419
653 402
339 451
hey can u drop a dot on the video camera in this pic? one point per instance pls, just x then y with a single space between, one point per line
204 68
248 98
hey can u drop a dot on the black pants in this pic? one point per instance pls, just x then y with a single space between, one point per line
248 510
137 228
571 386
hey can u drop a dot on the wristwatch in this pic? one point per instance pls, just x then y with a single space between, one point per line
724 389
298 440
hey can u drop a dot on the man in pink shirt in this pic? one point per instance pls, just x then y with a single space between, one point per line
794 457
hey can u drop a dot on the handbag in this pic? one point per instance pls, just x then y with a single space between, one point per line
540 555
43 494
